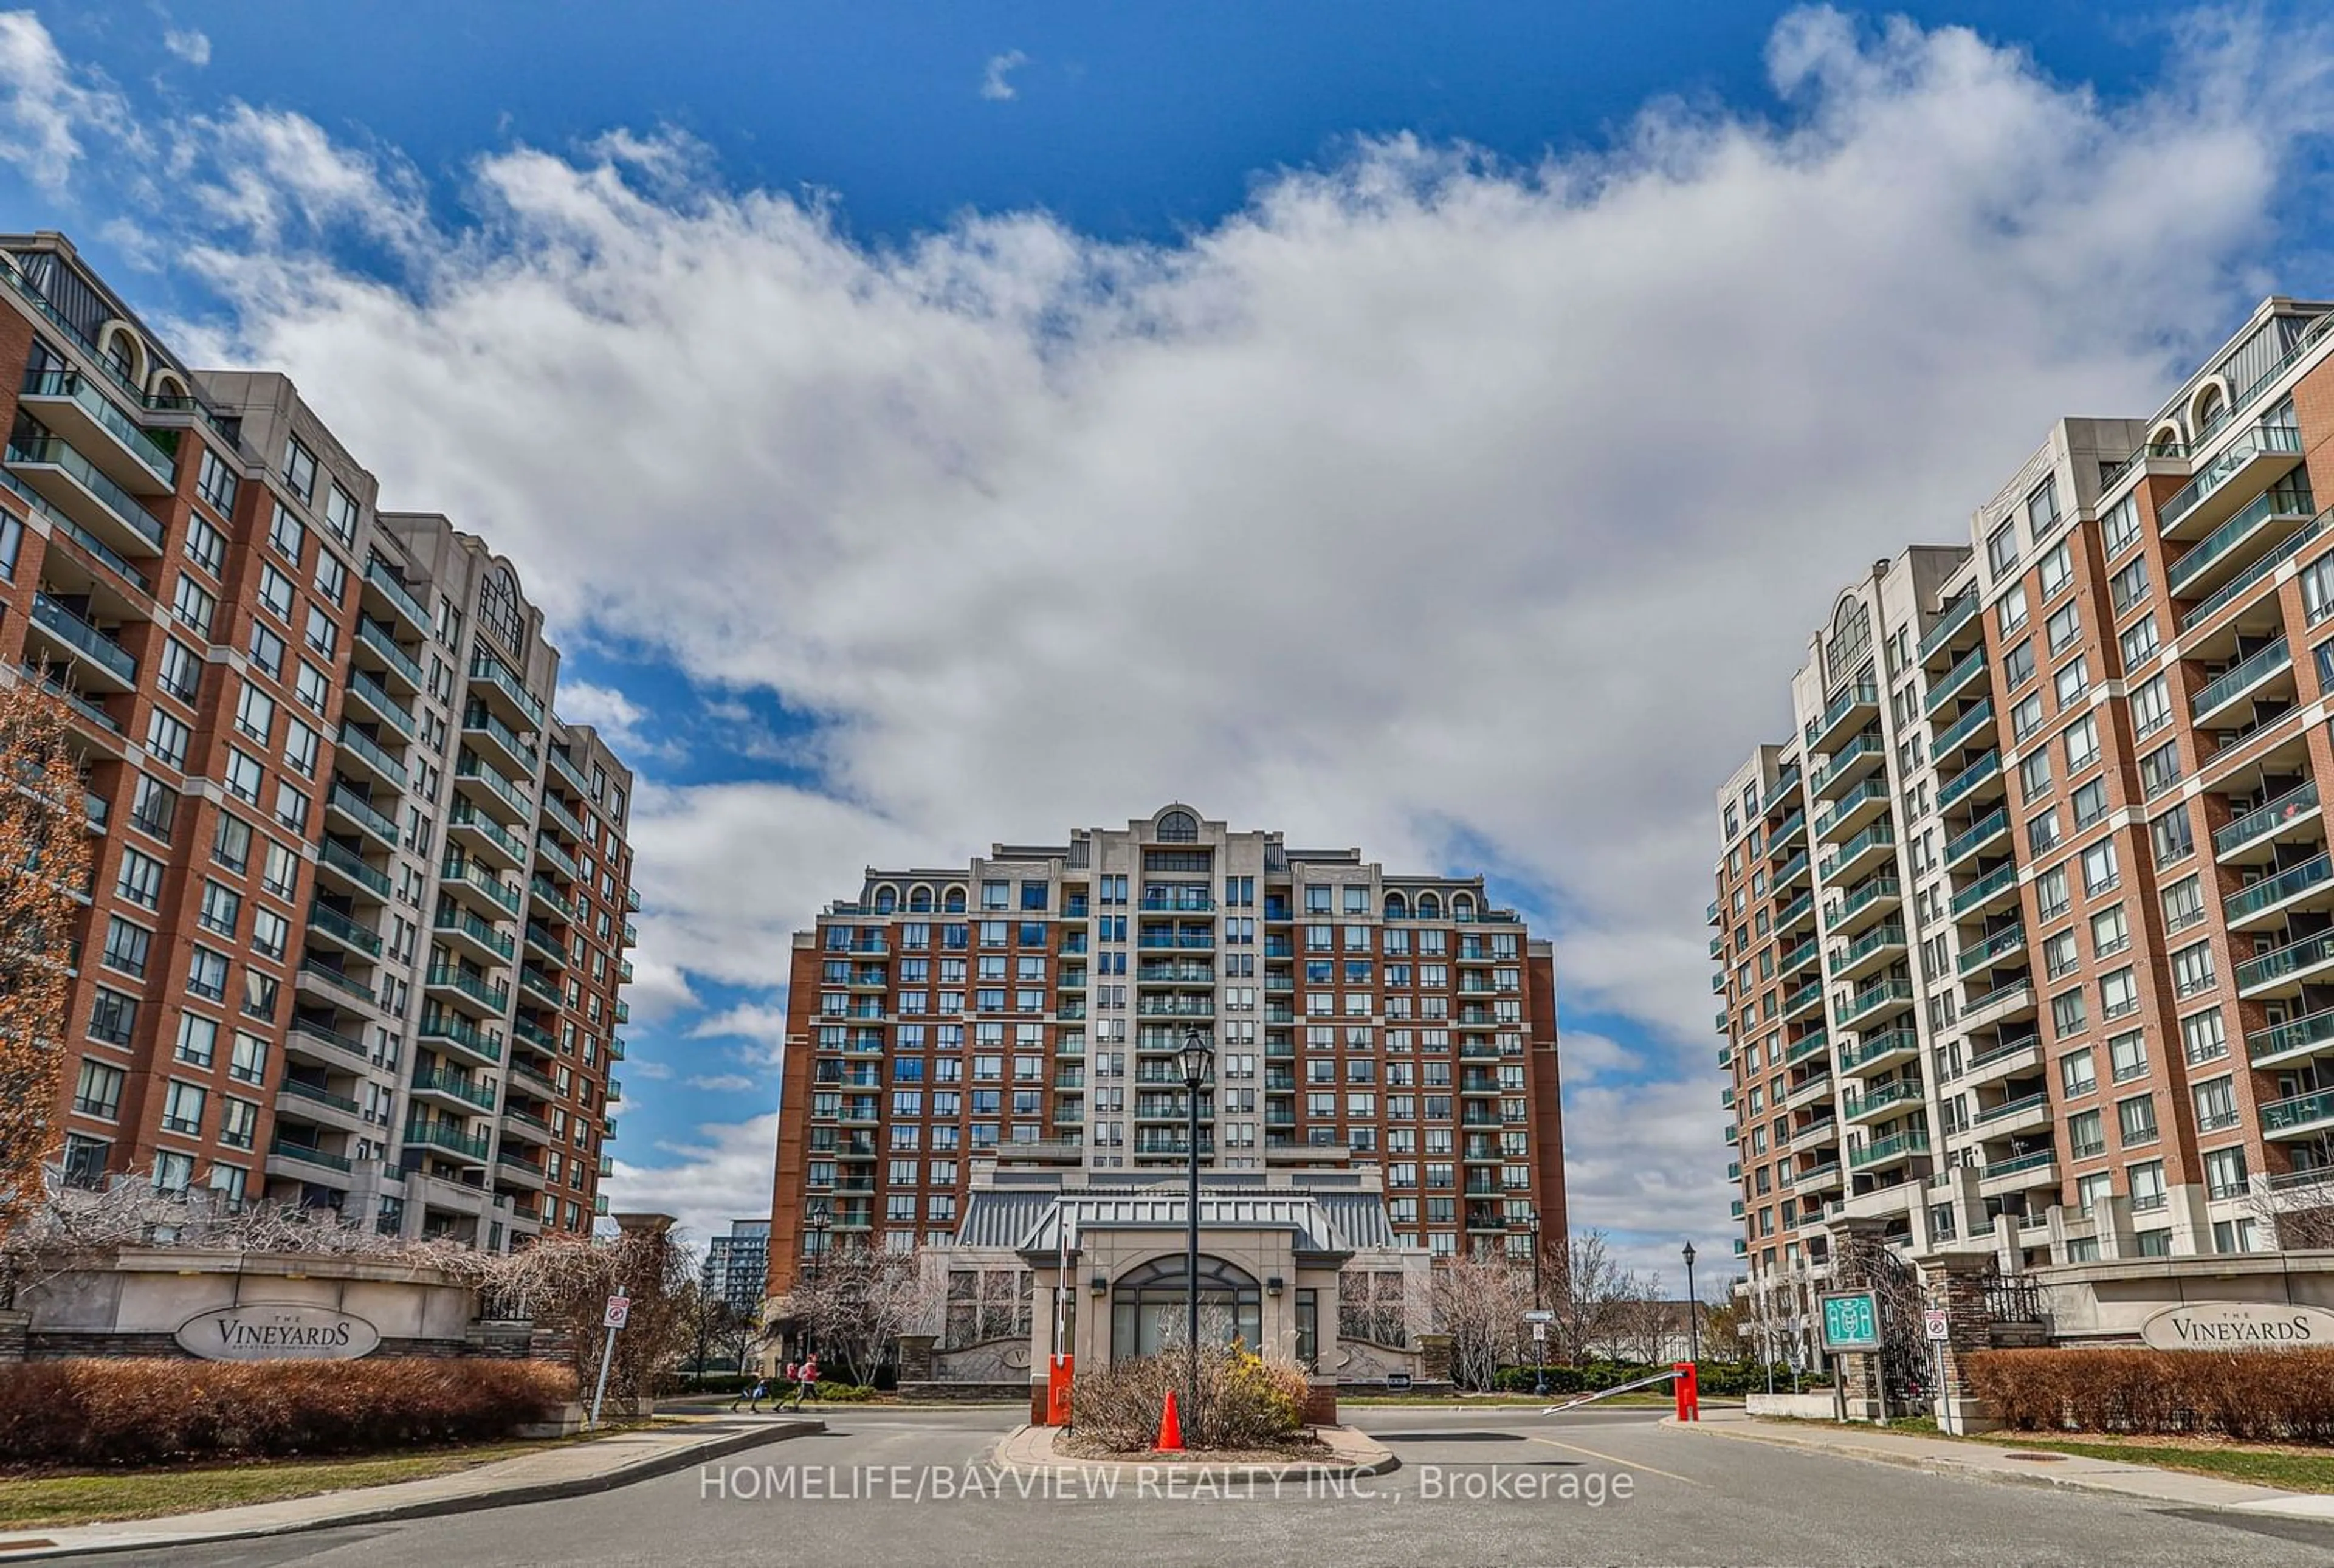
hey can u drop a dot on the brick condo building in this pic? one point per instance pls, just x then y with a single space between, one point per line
2026 927
355 930
1026 1010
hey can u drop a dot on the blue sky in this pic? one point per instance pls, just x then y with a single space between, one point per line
929 425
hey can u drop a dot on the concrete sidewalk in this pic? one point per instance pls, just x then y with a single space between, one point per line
1952 1456
572 1470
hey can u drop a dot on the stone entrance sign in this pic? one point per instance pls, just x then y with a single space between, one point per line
2239 1326
276 1332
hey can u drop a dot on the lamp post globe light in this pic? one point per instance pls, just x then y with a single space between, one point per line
816 1222
1692 1312
1196 1056
1540 1328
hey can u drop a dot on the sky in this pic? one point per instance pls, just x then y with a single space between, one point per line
1431 429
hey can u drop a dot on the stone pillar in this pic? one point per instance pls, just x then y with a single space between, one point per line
16 1335
1858 1372
916 1358
1954 1284
1435 1357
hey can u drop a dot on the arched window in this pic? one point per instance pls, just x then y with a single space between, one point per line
920 900
1179 827
1462 908
954 903
1397 908
1429 908
124 352
887 899
498 608
1851 642
1148 1307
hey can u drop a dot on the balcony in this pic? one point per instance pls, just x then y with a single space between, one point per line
513 750
2311 881
2005 1059
461 928
1800 958
1955 615
517 1171
2266 824
1172 973
1791 828
445 1032
2026 1113
1885 1152
1838 819
474 990
457 1089
2302 1116
446 1137
1184 941
1874 951
555 812
1998 886
1817 1132
1874 847
2256 458
374 697
381 643
1942 689
312 1096
2012 999
370 760
393 593
466 879
541 890
1862 904
2020 1173
2295 1040
321 1041
105 666
2230 548
336 984
1878 1051
1821 1177
1874 1001
1815 1087
2243 581
501 798
1976 836
1985 955
545 991
1174 1006
2281 971
1853 709
1807 1001
1983 769
1786 785
491 676
70 404
1852 761
485 838
1975 725
1799 911
304 1154
327 921
1887 1100
80 490
1789 873
348 866
2240 680
543 945
358 811
548 850
1806 1045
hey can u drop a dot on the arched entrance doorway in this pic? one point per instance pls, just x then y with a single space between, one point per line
1148 1306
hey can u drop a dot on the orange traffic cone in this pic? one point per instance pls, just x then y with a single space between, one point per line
1171 1427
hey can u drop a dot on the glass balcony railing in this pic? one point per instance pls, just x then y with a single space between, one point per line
355 740
394 713
317 1095
495 673
2000 945
451 1139
2038 1161
2024 1105
1880 835
383 641
1963 728
437 1024
2272 890
477 931
2237 586
109 654
462 813
2300 1113
2260 441
2291 959
323 917
1956 615
2247 672
475 986
461 1085
2265 819
1903 1091
1985 886
350 864
1993 823
1863 694
1881 1150
1887 934
2285 499
506 895
1854 750
1864 894
307 1155
1874 998
150 454
1873 1048
120 505
1984 767
1941 690
393 588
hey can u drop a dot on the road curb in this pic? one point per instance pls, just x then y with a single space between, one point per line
1028 1451
645 1469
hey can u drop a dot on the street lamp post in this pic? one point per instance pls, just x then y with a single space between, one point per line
1540 1329
1692 1312
820 1217
1196 1055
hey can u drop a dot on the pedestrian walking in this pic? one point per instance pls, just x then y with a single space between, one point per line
805 1382
756 1393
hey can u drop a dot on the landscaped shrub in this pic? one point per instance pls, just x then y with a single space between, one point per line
1245 1401
2247 1394
1724 1379
104 1413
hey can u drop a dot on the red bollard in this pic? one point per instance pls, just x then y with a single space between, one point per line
1687 1387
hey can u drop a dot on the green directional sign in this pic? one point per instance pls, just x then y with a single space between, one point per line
1851 1320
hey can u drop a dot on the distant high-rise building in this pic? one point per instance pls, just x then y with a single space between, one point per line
1029 1007
356 928
738 1266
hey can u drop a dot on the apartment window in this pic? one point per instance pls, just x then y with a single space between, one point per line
2072 682
2129 586
254 713
2086 1138
2010 613
300 747
206 974
180 671
2192 970
300 470
2110 932
215 482
291 807
2224 1168
323 635
268 649
2147 1194
2090 803
248 1062
2127 1057
2027 716
2076 1075
2136 1120
98 1091
2034 775
2050 899
193 604
2082 744
270 933
139 881
2064 624
275 590
2174 838
238 1123
2119 994
2203 1037
167 738
2042 831
2159 770
222 908
2318 588
126 946
244 776
2100 872
2002 550
2183 904
2216 1104
2139 641
2041 517
2018 666
340 510
2059 958
154 808
2069 1013
2120 527
231 842
182 1109
314 688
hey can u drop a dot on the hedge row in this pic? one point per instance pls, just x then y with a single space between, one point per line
106 1412
1723 1379
2259 1394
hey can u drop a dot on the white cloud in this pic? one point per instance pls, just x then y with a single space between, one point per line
722 1174
764 1024
995 79
656 1071
622 722
725 1084
1427 505
188 43
47 107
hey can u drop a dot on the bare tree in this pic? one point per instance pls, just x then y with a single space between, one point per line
1480 1302
45 850
2299 1209
859 1301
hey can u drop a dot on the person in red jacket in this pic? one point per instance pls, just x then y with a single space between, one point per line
805 1382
